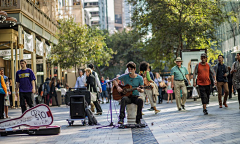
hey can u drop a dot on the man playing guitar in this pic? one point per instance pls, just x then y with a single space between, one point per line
136 81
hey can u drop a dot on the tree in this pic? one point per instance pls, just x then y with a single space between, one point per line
176 25
127 47
79 44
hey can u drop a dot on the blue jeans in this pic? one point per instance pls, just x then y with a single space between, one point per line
160 97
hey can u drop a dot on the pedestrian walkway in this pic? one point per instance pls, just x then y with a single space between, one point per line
169 126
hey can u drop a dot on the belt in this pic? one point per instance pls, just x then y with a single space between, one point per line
179 80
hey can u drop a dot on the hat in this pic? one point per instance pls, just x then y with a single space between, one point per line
178 59
204 54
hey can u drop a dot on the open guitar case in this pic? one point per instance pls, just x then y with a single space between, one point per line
29 123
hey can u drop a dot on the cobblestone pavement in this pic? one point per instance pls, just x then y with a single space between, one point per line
169 126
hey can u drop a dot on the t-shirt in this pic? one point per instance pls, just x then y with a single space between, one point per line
25 78
104 87
134 82
177 74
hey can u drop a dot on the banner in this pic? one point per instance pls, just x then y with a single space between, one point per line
48 51
39 47
28 42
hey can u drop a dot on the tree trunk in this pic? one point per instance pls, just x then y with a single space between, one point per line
99 72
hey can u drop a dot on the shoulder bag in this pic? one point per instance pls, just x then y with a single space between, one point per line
185 80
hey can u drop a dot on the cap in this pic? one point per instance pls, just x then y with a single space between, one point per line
204 54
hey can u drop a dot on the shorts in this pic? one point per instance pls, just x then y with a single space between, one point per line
204 93
169 91
104 94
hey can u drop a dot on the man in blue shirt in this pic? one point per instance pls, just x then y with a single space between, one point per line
80 80
221 71
135 81
179 73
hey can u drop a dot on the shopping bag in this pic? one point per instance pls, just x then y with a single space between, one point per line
195 93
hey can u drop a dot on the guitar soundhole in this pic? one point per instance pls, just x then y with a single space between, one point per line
124 91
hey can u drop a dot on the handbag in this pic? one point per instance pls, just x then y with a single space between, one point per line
41 94
185 80
1 89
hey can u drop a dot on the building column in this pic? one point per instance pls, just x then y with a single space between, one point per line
13 74
33 58
52 71
20 42
44 61
16 69
58 72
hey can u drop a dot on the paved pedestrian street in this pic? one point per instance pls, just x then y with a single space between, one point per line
169 126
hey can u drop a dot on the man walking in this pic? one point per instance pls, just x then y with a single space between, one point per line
236 76
203 70
221 71
80 80
25 79
179 73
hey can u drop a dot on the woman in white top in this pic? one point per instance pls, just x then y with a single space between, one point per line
169 89
158 80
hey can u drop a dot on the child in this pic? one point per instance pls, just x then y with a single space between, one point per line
7 103
169 89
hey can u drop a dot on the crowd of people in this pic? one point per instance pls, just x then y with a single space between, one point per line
150 87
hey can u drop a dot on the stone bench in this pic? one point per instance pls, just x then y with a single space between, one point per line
131 113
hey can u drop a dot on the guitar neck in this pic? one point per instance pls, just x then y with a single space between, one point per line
132 89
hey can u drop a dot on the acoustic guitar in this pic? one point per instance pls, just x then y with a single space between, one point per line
127 91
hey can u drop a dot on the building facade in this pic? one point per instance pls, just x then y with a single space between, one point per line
92 6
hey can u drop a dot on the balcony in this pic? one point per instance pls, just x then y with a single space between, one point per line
31 11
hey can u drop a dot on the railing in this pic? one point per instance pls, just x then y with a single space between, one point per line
32 11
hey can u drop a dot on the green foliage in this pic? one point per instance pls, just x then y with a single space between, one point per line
79 44
127 47
176 25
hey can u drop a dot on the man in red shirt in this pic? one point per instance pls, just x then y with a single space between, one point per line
203 70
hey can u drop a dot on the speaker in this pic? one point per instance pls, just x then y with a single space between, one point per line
77 108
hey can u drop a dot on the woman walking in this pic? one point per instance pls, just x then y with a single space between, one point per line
158 80
144 72
7 102
53 92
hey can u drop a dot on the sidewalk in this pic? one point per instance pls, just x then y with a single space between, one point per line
169 126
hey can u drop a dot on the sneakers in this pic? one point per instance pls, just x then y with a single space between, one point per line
179 109
121 121
157 111
98 113
151 109
220 106
205 112
183 107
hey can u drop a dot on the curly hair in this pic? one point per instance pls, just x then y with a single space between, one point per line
143 66
131 65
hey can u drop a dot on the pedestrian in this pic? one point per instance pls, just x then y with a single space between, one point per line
109 88
92 87
10 96
221 71
46 91
158 80
3 92
203 71
40 94
150 72
94 76
179 75
53 87
169 89
58 84
230 84
80 80
104 93
7 102
144 72
135 81
5 77
25 79
235 70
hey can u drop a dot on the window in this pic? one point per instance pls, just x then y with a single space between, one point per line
94 14
91 4
95 22
118 18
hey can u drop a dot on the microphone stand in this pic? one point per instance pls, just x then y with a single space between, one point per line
110 107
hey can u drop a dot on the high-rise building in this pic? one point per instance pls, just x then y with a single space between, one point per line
128 13
103 13
119 14
71 8
110 16
92 6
